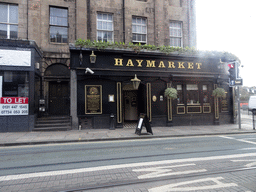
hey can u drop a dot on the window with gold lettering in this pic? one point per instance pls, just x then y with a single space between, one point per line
205 94
180 97
192 94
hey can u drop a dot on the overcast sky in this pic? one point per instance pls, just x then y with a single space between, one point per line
229 25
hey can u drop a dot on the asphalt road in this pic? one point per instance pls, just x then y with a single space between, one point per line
219 162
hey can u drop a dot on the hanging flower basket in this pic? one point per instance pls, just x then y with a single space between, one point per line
218 92
171 93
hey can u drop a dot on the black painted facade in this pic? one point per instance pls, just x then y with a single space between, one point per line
194 76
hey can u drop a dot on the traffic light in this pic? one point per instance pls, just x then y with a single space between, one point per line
232 71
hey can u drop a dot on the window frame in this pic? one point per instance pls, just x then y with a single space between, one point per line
180 38
102 30
58 26
137 33
8 23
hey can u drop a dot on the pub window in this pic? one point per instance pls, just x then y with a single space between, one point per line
205 94
105 28
180 94
58 25
192 94
139 30
175 29
14 84
8 21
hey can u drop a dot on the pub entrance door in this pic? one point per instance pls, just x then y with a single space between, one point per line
59 102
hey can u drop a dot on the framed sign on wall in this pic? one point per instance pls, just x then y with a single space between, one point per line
93 99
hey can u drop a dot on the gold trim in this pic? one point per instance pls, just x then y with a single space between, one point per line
216 105
119 102
181 107
206 107
149 102
169 108
100 86
169 104
194 106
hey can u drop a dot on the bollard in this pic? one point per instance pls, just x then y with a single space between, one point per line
112 124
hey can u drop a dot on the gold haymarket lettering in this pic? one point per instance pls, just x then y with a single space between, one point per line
171 64
151 63
129 63
181 65
199 65
118 62
161 64
154 63
139 63
190 65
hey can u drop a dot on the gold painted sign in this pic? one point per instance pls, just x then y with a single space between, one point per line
93 99
157 64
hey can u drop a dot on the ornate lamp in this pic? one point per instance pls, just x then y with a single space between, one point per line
92 58
135 82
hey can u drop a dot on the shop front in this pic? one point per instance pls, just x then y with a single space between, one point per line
104 90
19 85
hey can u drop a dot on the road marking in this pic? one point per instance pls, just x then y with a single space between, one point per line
242 140
175 186
249 164
110 167
166 171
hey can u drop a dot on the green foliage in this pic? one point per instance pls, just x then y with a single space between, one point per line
218 92
171 93
164 49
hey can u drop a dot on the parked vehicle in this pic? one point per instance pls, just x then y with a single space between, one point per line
252 103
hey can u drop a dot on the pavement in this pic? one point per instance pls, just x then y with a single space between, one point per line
86 135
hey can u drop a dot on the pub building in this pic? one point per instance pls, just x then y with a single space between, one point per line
19 84
110 88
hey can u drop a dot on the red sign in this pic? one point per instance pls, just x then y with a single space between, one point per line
14 100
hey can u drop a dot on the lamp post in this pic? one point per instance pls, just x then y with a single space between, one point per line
135 82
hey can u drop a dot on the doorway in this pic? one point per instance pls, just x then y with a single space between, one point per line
59 102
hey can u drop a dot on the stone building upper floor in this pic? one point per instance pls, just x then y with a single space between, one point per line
53 24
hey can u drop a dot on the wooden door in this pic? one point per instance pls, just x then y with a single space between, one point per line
59 102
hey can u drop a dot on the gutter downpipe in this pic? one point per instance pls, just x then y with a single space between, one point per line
27 19
189 25
88 19
75 19
124 21
155 22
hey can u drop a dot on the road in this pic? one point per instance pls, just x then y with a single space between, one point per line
206 163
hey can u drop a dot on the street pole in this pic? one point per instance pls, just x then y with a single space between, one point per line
239 114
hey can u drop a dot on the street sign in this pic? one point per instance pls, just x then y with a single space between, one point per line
235 82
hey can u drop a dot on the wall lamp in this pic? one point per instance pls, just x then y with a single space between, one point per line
92 58
135 82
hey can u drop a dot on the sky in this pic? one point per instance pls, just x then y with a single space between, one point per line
230 26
